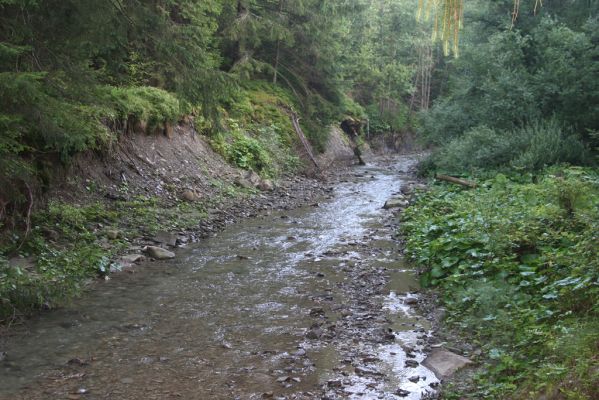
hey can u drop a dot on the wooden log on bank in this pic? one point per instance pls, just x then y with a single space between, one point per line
457 181
303 140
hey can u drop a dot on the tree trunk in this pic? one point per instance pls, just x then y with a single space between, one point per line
278 54
457 181
242 13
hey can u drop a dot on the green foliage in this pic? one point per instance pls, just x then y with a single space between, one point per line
148 104
530 148
247 153
261 136
58 273
507 79
44 120
388 121
379 65
517 263
67 247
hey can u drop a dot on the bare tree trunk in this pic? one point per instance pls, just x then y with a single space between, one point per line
242 13
278 54
276 66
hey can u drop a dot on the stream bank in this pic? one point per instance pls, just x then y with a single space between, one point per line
97 215
298 304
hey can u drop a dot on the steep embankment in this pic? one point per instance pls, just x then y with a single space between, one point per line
162 189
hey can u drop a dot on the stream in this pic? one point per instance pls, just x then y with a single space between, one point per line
313 303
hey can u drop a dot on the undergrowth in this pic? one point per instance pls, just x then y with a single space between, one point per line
70 244
517 263
259 134
529 148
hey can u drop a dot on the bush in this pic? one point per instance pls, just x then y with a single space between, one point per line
247 153
529 148
548 144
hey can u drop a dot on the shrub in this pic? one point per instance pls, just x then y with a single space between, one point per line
529 148
547 144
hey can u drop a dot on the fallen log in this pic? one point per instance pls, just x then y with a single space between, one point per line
455 180
303 140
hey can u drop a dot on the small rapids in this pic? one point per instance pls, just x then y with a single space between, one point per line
305 304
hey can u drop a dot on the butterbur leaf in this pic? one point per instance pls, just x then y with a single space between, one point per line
495 354
550 296
450 261
437 272
527 273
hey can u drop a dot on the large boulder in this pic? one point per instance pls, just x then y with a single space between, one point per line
190 195
159 253
243 183
253 178
164 237
444 363
396 202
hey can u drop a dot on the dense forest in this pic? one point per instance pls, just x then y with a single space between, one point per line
500 92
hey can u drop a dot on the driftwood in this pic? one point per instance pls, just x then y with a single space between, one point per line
302 137
455 180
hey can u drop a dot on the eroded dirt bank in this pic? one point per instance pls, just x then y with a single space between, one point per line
301 304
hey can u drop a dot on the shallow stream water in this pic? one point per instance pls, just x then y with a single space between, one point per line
286 305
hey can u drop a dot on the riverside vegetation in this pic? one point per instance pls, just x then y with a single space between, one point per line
515 259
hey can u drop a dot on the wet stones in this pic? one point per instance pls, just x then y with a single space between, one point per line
317 312
396 202
159 253
315 332
300 353
127 261
411 363
410 301
362 371
335 383
444 363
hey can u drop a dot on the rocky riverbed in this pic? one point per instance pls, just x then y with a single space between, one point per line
291 303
